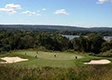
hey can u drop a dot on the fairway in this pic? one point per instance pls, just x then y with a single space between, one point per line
46 58
50 55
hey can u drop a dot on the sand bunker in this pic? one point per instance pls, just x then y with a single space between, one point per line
12 59
103 61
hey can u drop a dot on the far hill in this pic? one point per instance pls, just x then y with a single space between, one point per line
53 27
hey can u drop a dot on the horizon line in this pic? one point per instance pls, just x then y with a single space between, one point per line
56 25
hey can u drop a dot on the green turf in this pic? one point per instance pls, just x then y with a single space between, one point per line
63 59
50 55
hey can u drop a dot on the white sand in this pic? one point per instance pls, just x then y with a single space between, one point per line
12 59
103 61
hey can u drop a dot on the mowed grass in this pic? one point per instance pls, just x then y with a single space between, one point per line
50 55
62 59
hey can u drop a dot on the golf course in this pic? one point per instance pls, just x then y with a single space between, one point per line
42 58
50 58
49 65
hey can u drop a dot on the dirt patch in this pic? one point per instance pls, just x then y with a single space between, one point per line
103 61
12 59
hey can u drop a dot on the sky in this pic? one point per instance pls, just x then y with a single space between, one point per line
80 13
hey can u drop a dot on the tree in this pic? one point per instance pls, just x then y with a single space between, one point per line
80 44
106 46
92 43
96 41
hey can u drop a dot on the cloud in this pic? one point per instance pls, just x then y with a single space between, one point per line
102 1
10 11
38 14
10 8
44 9
30 13
62 11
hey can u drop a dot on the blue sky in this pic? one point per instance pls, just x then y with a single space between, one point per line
81 13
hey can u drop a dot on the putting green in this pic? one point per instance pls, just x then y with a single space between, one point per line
51 55
62 59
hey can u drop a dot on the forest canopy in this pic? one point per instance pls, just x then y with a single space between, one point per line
15 37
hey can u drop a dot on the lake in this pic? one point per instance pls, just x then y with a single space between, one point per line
107 38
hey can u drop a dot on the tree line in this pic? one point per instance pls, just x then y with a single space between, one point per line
22 39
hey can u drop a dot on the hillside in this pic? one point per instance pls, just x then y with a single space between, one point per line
53 27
